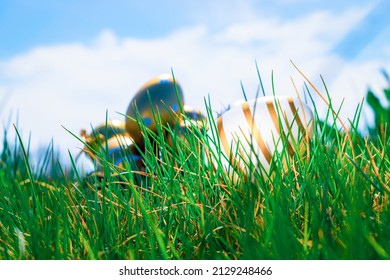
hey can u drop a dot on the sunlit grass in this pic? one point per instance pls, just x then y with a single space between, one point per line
331 202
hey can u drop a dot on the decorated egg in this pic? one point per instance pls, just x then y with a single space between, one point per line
250 133
192 117
190 121
159 99
104 131
110 142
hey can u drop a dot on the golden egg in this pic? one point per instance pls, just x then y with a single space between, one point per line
109 142
190 121
157 102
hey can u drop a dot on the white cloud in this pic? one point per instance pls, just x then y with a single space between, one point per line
74 84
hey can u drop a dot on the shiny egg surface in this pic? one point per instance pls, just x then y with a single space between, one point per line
110 142
160 98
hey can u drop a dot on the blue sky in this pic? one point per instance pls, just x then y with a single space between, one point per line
28 23
65 63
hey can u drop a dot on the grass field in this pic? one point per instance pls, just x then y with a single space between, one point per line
331 202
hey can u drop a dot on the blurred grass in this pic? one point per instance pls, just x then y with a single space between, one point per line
331 202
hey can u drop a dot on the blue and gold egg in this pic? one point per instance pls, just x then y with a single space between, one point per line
109 142
158 101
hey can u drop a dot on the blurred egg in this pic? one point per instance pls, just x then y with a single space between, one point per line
110 142
120 150
161 95
104 131
248 135
191 121
192 117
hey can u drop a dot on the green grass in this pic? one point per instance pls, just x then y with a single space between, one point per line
332 202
